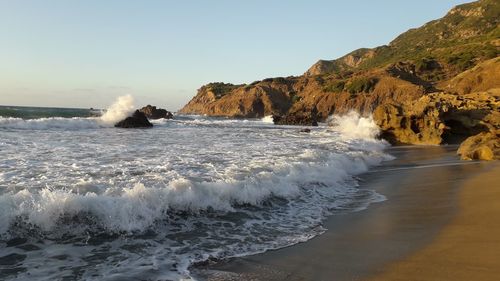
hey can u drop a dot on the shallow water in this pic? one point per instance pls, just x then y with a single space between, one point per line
80 199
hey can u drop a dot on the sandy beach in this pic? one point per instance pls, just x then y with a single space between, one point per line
438 223
466 249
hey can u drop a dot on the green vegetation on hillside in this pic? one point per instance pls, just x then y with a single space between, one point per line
220 89
361 84
354 86
335 86
468 34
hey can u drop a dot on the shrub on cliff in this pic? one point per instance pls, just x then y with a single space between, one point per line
220 89
462 61
335 86
295 98
362 84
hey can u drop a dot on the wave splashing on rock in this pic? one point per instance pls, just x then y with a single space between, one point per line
148 205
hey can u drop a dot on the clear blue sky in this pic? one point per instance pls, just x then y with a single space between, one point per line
86 53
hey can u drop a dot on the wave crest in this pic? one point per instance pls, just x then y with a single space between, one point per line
354 126
138 207
119 110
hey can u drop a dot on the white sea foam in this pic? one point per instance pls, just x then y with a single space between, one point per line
136 208
354 126
190 189
75 123
119 110
267 119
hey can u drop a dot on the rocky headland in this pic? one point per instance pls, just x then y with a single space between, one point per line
435 84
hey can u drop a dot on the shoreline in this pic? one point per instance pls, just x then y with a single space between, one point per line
422 186
468 247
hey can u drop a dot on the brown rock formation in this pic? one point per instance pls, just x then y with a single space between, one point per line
137 120
417 62
483 146
435 84
258 100
345 63
304 118
299 95
450 117
152 112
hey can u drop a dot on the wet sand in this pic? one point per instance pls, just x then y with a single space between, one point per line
466 249
425 189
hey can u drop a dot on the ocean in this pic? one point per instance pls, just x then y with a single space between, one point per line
82 200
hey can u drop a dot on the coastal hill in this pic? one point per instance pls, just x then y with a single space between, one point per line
455 55
411 65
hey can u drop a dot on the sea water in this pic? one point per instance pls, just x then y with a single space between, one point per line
80 199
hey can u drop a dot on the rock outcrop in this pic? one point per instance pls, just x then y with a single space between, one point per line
299 95
345 63
137 120
468 113
152 112
304 119
418 62
259 99
435 84
483 146
439 118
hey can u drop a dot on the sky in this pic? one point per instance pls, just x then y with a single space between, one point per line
69 53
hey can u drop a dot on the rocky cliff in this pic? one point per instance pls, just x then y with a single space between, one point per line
468 113
293 95
451 61
271 96
415 63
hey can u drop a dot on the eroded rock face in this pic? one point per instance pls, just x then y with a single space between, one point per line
483 146
439 118
399 125
259 99
420 61
137 120
345 63
152 112
298 95
305 119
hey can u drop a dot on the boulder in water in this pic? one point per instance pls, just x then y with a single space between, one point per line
152 112
137 120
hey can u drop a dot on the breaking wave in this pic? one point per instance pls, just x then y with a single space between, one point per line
119 110
268 119
136 208
116 204
354 126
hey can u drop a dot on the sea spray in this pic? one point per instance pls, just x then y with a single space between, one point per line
354 126
268 119
125 207
119 110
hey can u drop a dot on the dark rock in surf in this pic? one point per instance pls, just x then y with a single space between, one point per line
152 112
137 120
303 118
